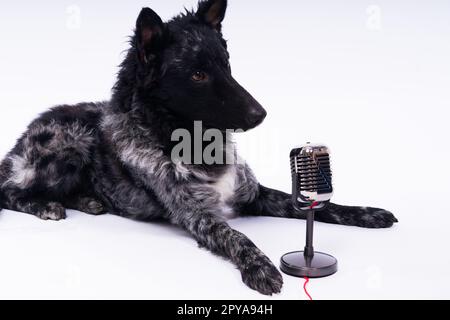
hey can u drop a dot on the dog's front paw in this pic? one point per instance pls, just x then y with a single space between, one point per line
91 206
261 275
52 211
375 218
364 217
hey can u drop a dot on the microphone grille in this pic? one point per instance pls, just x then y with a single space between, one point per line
310 166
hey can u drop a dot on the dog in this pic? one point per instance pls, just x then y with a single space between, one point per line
115 156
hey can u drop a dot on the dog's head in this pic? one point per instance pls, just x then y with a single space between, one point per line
185 64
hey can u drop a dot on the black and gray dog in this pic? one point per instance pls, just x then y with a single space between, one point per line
116 156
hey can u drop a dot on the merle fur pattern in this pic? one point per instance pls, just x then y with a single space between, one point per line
115 156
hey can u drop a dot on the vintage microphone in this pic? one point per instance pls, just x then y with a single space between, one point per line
311 191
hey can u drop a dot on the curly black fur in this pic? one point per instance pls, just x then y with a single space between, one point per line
115 156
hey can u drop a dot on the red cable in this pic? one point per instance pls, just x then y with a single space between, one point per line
313 205
306 290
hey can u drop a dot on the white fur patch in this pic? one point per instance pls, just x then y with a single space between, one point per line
145 159
226 184
22 174
225 187
181 171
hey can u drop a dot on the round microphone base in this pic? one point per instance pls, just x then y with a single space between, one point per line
318 266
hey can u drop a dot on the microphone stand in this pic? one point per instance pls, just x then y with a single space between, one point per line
309 249
308 263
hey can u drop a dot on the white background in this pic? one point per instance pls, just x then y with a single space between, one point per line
369 78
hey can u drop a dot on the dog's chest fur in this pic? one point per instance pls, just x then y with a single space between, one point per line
225 186
138 147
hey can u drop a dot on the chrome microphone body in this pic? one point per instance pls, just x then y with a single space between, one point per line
311 176
312 190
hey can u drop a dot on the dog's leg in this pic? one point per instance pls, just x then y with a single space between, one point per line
42 209
86 204
258 272
279 204
193 204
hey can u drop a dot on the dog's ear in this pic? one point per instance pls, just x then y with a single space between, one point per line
149 34
212 12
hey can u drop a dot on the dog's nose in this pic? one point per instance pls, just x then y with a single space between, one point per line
256 116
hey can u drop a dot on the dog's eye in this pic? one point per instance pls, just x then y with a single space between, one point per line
199 76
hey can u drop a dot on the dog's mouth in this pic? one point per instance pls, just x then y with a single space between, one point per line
251 121
235 129
258 121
